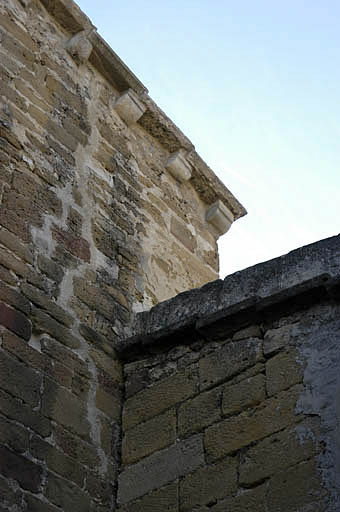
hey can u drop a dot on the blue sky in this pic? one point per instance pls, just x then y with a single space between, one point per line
255 85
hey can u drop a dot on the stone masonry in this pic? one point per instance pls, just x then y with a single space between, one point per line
232 393
105 210
222 398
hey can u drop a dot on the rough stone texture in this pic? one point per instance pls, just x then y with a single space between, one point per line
266 395
221 398
160 469
93 228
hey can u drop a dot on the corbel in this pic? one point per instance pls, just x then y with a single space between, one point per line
178 166
220 217
79 46
129 107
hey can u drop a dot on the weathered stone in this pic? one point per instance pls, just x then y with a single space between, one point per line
14 408
238 431
15 321
182 234
247 393
296 488
43 323
209 484
19 380
66 495
247 500
45 303
159 397
278 452
148 437
64 408
26 473
275 339
230 359
14 298
201 411
283 371
164 499
160 468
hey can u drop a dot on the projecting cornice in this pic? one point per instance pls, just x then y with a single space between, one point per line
220 308
84 43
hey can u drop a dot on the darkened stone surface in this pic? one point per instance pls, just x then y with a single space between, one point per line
292 281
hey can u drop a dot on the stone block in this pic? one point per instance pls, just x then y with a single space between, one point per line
10 261
76 245
14 244
14 298
76 448
129 107
247 393
57 461
196 414
19 380
220 217
25 472
159 397
208 484
43 323
66 495
246 500
33 358
8 496
275 339
238 431
283 371
297 488
17 410
277 452
183 234
15 321
148 437
229 360
178 167
164 499
36 505
65 408
41 300
16 437
160 469
108 403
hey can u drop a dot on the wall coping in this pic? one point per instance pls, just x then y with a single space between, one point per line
208 186
222 307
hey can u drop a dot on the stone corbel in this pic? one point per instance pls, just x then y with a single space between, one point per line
179 167
79 47
220 217
129 107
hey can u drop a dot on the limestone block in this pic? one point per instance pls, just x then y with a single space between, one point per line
220 217
79 47
179 167
129 107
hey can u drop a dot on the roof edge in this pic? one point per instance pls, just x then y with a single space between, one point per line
294 280
208 186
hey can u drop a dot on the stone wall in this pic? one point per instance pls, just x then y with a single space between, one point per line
103 212
232 392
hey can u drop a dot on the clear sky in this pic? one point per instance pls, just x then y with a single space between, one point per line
255 84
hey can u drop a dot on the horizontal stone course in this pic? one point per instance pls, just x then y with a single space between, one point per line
160 396
160 468
208 484
271 416
148 437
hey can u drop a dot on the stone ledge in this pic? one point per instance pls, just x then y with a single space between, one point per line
154 120
219 308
